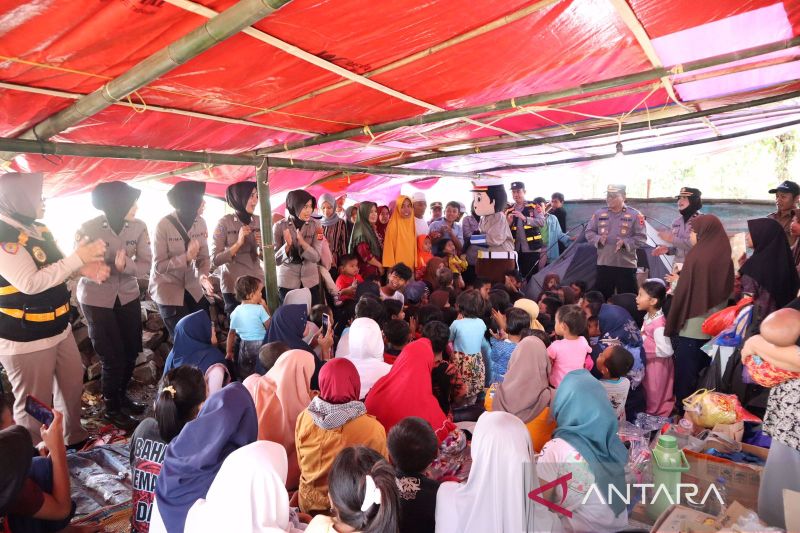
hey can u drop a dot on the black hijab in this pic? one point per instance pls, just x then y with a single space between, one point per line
771 264
16 452
186 198
295 202
115 199
695 203
237 196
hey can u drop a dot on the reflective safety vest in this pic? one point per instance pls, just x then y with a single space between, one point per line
532 234
30 317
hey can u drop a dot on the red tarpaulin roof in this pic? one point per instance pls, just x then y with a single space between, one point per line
63 47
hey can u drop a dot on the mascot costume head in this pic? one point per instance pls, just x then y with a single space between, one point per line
489 197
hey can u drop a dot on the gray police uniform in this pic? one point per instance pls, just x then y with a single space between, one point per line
616 270
301 271
174 280
244 263
111 308
680 238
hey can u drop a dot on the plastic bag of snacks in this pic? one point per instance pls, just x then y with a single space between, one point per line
717 322
766 374
708 408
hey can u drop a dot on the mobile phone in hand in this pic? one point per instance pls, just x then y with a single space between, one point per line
326 323
39 410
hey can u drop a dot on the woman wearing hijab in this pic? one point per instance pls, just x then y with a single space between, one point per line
334 228
248 494
237 239
111 308
37 348
334 420
195 345
280 396
364 242
704 286
526 391
400 244
181 264
678 236
297 248
384 214
532 308
366 352
502 474
769 275
618 327
585 444
227 422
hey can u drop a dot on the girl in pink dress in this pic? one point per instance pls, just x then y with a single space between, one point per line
660 370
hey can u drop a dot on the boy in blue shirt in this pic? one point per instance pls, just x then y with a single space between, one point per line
249 322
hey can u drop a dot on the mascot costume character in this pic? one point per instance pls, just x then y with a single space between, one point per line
496 255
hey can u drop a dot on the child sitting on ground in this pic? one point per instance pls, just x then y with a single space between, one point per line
614 364
412 448
394 310
593 336
448 388
249 322
398 276
348 278
660 370
268 355
572 351
396 334
446 249
551 282
505 339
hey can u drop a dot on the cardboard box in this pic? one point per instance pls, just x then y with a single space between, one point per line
743 480
735 431
680 519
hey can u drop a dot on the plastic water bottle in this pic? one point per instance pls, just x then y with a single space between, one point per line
668 464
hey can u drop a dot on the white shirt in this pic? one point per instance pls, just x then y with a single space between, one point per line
18 268
421 226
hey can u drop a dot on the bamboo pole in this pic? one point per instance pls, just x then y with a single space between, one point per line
611 83
649 149
228 23
206 158
267 243
499 147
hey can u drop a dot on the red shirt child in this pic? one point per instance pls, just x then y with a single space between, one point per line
348 278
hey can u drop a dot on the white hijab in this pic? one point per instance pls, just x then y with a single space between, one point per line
248 493
366 352
299 297
494 498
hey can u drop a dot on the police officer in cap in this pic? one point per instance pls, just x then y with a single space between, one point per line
689 204
526 220
617 231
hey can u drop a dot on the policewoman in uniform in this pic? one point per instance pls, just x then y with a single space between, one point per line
112 308
526 220
298 246
617 231
237 237
181 262
689 204
37 347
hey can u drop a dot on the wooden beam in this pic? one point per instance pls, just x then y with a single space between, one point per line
267 244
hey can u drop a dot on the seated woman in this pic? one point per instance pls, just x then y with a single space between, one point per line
248 494
227 421
585 444
407 390
526 392
182 392
34 492
333 421
492 498
290 324
365 342
280 396
196 345
363 495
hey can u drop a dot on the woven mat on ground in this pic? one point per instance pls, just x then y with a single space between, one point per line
113 519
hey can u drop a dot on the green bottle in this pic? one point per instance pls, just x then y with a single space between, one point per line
668 463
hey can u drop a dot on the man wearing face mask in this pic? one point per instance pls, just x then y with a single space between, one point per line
689 204
617 231
37 348
112 309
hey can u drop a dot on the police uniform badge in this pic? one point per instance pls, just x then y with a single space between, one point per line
39 254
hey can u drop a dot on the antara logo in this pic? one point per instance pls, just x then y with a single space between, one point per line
648 494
